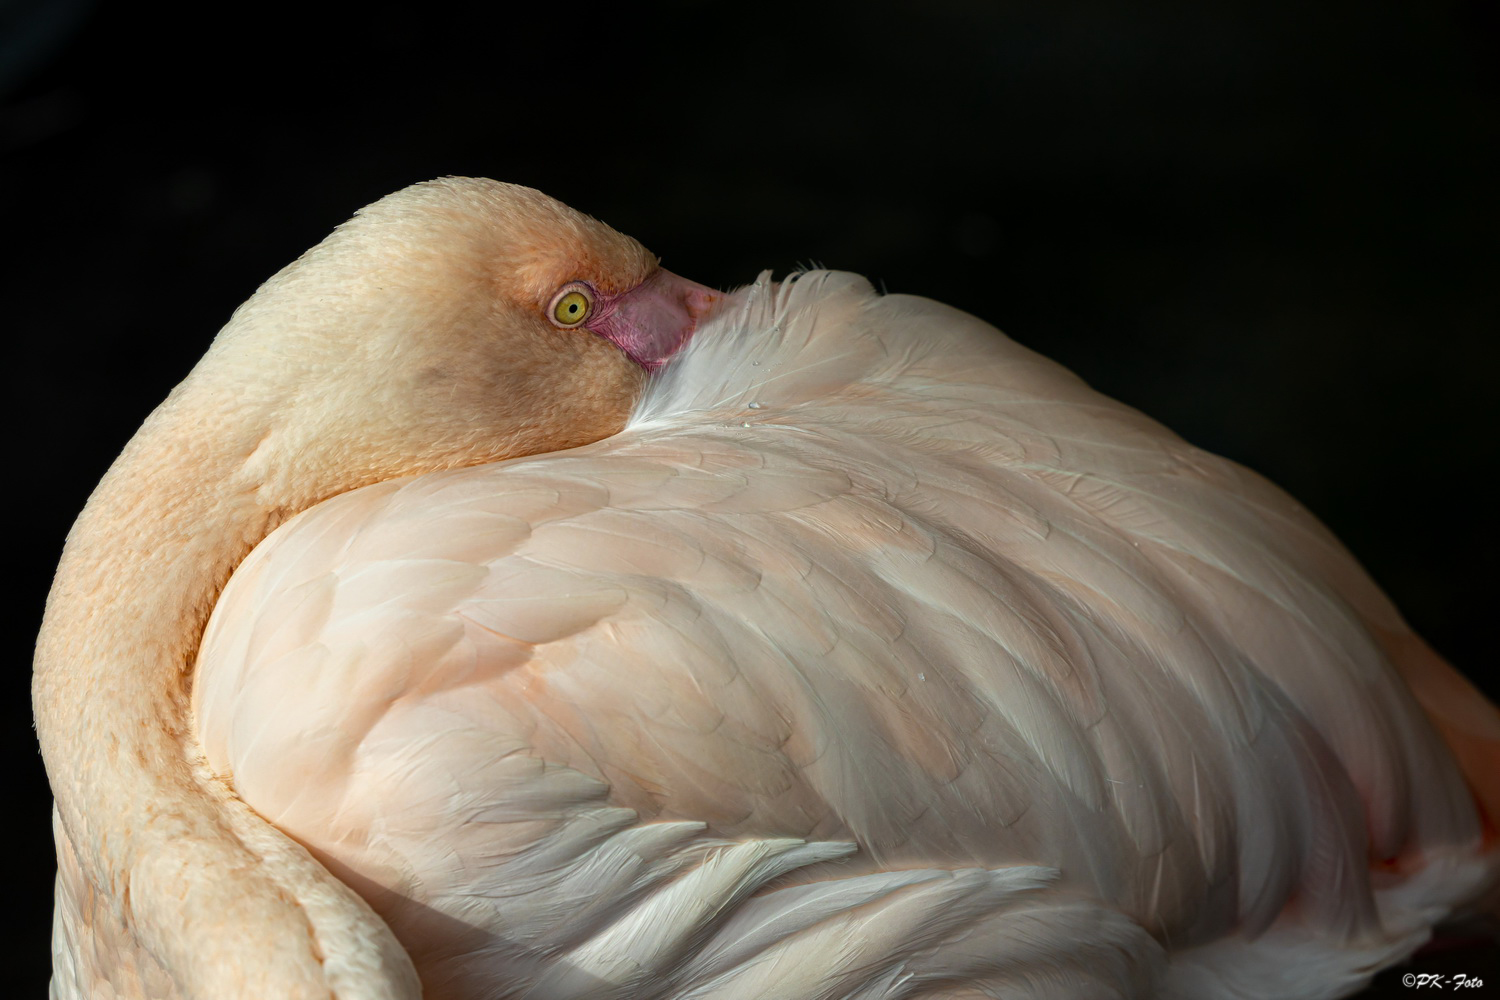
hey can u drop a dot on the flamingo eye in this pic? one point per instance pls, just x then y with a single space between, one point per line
572 306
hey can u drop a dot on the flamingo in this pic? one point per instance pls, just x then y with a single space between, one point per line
492 613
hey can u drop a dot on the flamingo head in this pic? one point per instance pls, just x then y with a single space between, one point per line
455 322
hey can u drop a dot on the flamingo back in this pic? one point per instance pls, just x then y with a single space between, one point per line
877 654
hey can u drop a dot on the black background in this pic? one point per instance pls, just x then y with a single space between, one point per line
1269 223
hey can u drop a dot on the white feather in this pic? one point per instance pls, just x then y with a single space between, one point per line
1101 714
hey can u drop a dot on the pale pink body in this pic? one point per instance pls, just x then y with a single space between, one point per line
876 656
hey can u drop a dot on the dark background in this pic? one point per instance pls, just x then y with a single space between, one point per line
1271 224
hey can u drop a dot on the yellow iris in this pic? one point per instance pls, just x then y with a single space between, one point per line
571 309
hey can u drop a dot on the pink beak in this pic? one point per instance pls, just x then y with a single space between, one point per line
654 319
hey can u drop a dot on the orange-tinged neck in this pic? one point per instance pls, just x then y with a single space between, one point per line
166 849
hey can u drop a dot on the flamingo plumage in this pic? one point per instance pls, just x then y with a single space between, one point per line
801 642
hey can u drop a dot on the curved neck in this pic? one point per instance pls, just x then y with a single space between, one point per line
214 894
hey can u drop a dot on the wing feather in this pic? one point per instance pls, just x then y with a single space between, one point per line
608 721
